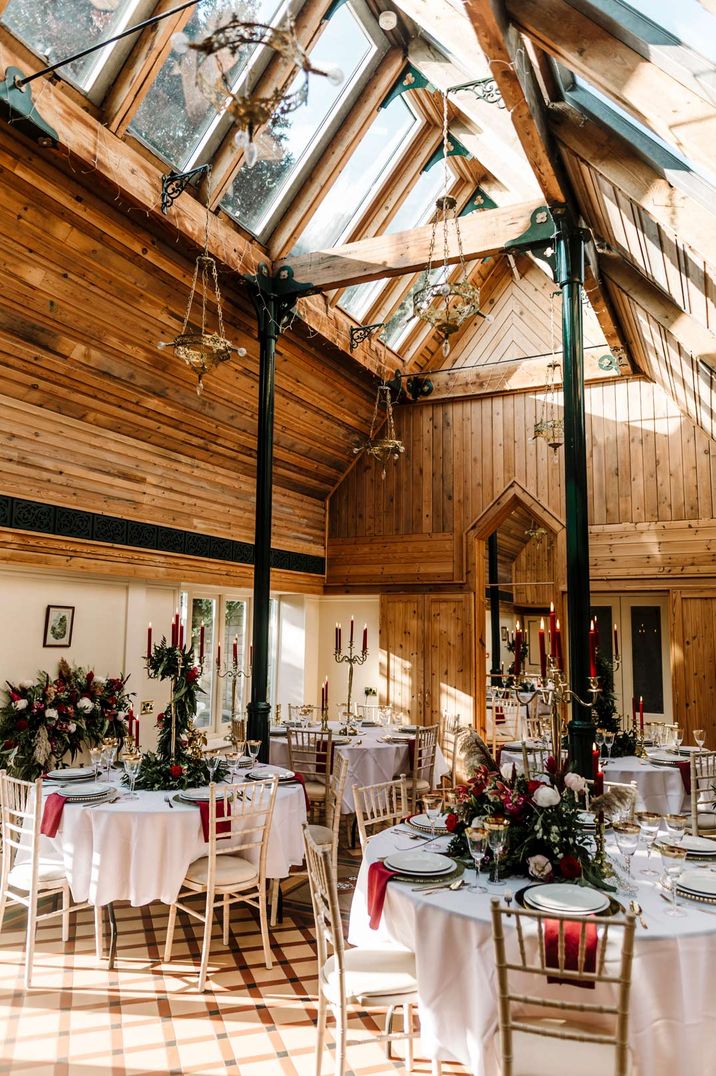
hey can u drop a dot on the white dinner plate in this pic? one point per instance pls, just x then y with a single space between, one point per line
194 795
72 773
89 791
698 881
422 823
663 758
428 863
702 846
566 899
263 775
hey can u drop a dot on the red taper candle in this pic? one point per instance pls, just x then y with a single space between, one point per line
518 648
202 640
218 656
641 713
542 651
365 638
350 643
592 650
616 643
149 640
558 648
552 631
235 650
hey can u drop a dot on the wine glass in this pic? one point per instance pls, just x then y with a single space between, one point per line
599 740
131 768
213 762
627 835
676 827
650 823
253 747
432 804
96 760
608 743
700 737
109 753
673 858
496 838
477 843
678 738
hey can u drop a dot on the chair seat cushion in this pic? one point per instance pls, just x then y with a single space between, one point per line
421 785
315 790
50 874
535 1055
231 871
321 834
372 974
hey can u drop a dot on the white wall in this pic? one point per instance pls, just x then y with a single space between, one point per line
109 634
366 610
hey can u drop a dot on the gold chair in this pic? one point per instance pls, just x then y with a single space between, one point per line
448 735
376 805
422 777
506 720
378 978
310 754
304 711
703 793
558 1041
28 876
232 874
534 760
372 711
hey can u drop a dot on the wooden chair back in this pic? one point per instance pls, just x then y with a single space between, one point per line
383 804
534 760
506 720
303 711
514 994
336 790
310 753
372 711
426 742
703 792
448 735
239 823
326 910
21 818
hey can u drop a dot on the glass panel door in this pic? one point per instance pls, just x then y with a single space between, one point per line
644 649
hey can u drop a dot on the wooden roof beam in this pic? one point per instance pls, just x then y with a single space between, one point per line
408 252
678 115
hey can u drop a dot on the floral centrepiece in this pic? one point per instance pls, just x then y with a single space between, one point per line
545 838
47 719
178 761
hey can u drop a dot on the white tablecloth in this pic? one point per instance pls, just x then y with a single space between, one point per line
139 850
370 760
659 788
673 1004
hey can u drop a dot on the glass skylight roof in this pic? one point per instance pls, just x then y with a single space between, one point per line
385 142
417 208
686 20
257 193
55 29
175 118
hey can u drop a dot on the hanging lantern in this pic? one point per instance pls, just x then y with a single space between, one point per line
199 349
549 426
446 304
388 447
223 47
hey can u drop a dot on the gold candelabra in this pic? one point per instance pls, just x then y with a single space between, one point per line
232 672
351 658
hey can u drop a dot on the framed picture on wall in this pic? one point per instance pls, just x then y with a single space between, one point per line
504 634
59 621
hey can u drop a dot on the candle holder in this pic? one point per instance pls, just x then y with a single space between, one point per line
351 658
233 673
156 675
324 719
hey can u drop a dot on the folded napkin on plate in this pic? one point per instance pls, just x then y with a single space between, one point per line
684 769
572 935
223 829
378 878
52 814
302 781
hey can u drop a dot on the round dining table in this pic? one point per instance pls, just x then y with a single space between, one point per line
372 757
673 1005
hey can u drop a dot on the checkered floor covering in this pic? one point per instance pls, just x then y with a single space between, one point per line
146 1018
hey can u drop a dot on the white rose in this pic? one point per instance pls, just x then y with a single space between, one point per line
20 704
576 782
71 727
539 867
26 684
85 705
506 770
51 714
546 796
100 681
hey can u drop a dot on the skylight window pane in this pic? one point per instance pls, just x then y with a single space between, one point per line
376 154
688 21
55 29
175 115
256 191
396 328
417 207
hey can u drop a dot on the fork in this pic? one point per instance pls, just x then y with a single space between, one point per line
169 800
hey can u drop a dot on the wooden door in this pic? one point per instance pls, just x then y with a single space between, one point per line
402 646
694 663
449 680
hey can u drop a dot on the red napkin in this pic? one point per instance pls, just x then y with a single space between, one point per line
684 769
302 781
572 933
221 827
52 814
378 878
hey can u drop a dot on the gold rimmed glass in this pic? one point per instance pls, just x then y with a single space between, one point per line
432 804
676 825
131 768
673 858
650 823
253 747
700 738
477 843
497 839
627 835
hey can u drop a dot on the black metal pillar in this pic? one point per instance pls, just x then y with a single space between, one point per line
268 314
570 276
494 604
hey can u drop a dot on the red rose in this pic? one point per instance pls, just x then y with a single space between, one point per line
451 821
21 724
111 701
551 764
160 720
570 867
176 771
9 744
14 696
192 675
90 677
532 787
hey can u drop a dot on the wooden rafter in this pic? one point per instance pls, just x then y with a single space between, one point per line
678 115
494 378
407 252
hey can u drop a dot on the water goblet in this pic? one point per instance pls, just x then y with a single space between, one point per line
496 838
700 737
649 822
678 739
599 740
673 858
131 768
477 843
608 743
253 747
627 835
96 760
432 803
676 827
109 753
213 762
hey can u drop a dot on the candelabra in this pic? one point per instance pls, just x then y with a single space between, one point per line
351 658
155 674
233 673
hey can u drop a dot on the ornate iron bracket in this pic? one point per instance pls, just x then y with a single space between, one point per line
175 183
484 89
609 362
361 333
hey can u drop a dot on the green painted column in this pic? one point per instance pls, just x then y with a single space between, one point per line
570 276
